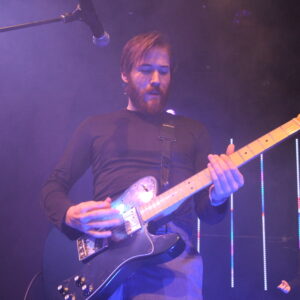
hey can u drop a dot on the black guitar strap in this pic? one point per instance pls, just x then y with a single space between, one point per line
167 138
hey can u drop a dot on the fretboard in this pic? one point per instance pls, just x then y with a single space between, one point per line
202 179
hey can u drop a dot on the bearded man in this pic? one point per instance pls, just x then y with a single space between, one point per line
127 145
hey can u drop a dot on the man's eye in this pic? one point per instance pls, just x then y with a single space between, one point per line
145 70
164 71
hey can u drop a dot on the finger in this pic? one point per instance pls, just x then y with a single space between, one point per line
232 173
229 180
92 205
103 204
217 186
238 177
99 234
230 149
104 224
223 176
108 200
100 214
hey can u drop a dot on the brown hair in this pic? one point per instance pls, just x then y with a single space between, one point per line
137 47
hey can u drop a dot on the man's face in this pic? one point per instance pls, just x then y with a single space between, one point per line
148 82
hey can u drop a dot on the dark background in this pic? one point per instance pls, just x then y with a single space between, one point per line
237 72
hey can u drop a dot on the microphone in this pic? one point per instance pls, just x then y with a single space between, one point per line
88 15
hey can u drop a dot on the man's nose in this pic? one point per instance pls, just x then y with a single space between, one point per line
155 79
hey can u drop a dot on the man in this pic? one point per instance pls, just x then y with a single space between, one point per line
125 146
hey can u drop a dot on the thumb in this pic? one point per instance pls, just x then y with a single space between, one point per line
230 149
104 203
108 200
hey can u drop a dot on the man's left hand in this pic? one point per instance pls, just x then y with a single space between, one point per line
225 175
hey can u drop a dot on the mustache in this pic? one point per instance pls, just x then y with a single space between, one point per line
154 90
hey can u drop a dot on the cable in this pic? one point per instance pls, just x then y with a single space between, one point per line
31 283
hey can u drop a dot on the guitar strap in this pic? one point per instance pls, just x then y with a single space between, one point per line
167 138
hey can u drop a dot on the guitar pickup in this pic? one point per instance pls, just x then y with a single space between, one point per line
131 221
88 246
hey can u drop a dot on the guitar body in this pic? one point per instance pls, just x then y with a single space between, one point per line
103 272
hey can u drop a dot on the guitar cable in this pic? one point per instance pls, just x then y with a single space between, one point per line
33 279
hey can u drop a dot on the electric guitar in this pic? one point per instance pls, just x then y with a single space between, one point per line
91 269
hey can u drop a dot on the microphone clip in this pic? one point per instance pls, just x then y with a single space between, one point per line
77 14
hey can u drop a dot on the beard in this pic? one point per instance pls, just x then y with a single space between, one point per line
151 101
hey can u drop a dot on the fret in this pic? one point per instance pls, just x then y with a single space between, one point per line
166 202
157 205
203 176
256 148
146 212
261 144
278 134
266 141
291 126
174 195
245 153
237 158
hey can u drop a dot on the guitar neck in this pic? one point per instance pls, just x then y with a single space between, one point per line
202 179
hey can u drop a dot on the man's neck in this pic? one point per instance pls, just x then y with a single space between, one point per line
130 106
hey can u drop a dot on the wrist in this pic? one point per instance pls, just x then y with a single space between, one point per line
213 200
68 216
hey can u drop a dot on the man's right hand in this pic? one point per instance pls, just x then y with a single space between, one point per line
95 218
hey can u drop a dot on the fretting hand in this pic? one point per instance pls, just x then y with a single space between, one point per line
226 177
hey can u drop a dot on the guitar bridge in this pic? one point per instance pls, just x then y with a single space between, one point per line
131 221
88 246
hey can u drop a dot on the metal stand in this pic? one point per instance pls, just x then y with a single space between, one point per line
66 18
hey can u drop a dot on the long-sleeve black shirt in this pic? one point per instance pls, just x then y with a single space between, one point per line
122 147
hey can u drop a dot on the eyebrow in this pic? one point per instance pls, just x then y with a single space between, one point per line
150 65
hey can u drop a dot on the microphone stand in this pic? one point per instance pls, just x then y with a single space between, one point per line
65 18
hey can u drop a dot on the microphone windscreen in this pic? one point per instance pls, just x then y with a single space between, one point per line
102 41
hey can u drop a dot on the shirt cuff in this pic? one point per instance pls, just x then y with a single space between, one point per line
214 202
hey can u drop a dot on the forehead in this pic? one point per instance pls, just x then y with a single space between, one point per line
156 55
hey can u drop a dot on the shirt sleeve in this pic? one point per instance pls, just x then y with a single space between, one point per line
204 210
73 163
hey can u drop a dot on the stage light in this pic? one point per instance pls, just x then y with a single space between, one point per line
231 237
298 187
171 111
263 221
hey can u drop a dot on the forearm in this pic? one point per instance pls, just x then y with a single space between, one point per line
206 211
55 201
72 164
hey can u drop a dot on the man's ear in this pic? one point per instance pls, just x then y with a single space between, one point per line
124 77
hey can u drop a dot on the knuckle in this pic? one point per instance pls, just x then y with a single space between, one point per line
227 191
242 181
85 228
221 176
84 220
228 172
233 168
100 225
235 187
